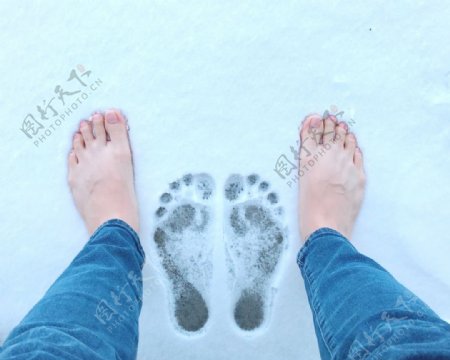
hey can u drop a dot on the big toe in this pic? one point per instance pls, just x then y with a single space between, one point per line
116 127
312 131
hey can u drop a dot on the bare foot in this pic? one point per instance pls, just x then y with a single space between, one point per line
101 171
332 180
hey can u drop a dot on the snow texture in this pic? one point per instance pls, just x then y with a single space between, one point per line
219 88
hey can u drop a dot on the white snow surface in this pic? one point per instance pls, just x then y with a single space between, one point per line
220 88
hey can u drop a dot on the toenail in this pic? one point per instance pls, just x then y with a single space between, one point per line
315 123
344 125
111 117
333 118
306 118
96 117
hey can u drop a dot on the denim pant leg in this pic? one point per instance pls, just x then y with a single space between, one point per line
360 311
92 310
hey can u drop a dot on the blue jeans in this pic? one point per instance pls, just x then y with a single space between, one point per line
92 310
360 311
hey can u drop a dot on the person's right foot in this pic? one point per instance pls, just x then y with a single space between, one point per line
101 171
332 189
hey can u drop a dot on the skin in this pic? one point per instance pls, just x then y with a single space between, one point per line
101 171
331 190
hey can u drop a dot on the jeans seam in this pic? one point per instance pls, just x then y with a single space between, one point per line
326 335
321 323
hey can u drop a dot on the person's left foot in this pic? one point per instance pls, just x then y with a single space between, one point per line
101 171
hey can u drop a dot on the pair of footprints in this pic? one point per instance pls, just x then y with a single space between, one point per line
254 242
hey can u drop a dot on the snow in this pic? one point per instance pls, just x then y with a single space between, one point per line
220 88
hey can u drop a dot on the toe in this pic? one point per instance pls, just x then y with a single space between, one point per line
341 131
307 123
116 127
86 132
73 161
263 186
329 130
99 127
78 145
311 132
350 143
234 186
272 197
358 158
